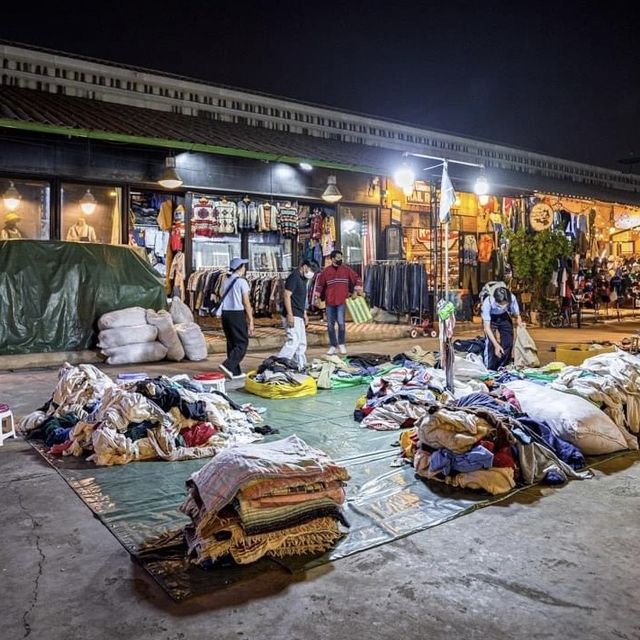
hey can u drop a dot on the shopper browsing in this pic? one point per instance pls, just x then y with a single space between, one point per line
333 287
498 309
294 313
237 318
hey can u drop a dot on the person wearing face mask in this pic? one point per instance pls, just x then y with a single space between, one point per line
333 286
497 311
294 313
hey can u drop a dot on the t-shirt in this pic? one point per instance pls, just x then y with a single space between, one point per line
491 307
296 283
233 299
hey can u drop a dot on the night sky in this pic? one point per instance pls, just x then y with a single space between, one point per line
561 78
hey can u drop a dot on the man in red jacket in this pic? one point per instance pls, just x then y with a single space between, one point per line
334 286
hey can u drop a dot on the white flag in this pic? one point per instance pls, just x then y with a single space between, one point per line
447 196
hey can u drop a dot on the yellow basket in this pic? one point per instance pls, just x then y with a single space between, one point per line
280 391
576 353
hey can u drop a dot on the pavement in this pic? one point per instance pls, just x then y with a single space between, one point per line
552 563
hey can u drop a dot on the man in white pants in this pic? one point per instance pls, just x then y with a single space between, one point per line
294 313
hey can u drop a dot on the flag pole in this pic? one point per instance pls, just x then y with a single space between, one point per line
446 260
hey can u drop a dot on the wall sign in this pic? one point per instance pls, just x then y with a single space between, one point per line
541 216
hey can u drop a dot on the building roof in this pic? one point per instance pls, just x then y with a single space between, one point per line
38 111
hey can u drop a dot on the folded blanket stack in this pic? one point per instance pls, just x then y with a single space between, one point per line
278 499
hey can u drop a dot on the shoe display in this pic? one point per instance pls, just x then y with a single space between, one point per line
332 351
343 349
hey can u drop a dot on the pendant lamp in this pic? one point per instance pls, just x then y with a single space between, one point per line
11 197
88 203
170 178
331 193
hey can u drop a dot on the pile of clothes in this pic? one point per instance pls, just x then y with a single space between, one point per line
403 395
277 499
485 442
334 372
612 382
141 419
277 378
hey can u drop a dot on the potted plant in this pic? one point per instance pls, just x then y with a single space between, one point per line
534 258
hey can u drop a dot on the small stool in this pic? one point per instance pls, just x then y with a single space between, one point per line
6 416
211 381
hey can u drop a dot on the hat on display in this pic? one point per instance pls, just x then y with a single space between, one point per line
236 263
12 217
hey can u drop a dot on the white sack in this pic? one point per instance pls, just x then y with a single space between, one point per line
166 333
180 312
133 353
195 346
130 317
571 417
525 352
121 336
470 367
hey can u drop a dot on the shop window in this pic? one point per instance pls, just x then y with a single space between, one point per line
358 236
91 214
25 209
269 252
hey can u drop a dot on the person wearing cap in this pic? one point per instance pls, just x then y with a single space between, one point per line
237 318
10 230
294 313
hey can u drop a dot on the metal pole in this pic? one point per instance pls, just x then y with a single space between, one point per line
446 260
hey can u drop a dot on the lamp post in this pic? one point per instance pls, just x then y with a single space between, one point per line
481 188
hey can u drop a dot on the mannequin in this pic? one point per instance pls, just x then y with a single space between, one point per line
10 230
81 232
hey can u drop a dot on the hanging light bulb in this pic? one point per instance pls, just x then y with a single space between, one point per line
481 187
483 200
612 230
170 178
11 197
405 178
331 193
88 203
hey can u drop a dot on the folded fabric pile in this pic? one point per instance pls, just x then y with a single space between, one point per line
333 372
277 499
278 378
135 335
140 420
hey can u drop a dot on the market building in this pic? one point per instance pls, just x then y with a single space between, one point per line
86 144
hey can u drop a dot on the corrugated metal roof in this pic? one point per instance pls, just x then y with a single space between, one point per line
61 114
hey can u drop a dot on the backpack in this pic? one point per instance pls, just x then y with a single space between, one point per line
490 288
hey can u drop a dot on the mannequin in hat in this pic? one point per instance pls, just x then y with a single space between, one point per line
10 230
237 318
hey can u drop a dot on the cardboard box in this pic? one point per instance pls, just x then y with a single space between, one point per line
576 353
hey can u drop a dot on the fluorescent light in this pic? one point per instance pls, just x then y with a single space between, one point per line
305 166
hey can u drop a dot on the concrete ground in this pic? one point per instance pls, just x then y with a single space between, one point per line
551 563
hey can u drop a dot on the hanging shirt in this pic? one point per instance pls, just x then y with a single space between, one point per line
485 247
203 218
267 217
288 221
247 215
470 251
225 217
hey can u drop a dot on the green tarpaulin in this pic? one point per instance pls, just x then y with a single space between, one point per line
52 293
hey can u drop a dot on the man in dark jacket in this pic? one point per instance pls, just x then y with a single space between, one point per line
334 286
